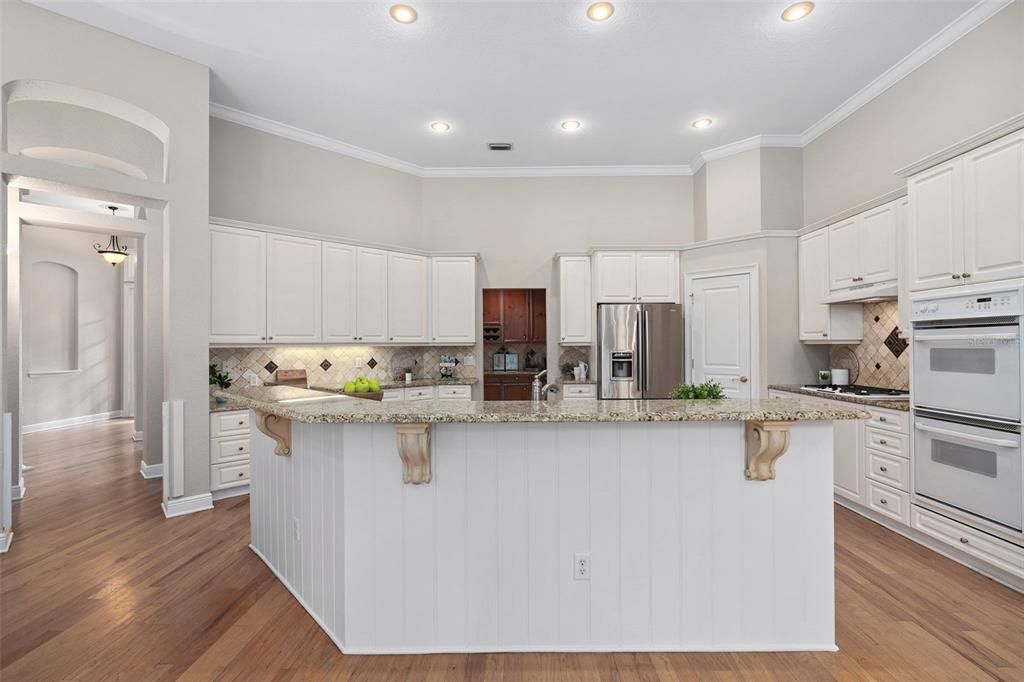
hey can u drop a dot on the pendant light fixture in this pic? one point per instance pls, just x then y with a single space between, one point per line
113 253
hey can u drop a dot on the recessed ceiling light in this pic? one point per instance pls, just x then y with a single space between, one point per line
701 123
440 127
403 14
571 124
600 11
798 11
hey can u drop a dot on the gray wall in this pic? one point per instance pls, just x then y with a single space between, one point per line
97 388
974 84
734 195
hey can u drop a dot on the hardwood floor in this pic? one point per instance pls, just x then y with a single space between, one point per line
99 586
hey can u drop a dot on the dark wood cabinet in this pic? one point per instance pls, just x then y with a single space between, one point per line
515 315
493 391
492 306
538 315
517 392
508 386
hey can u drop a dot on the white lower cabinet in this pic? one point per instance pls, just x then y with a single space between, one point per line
579 391
1003 555
441 392
454 392
229 453
889 502
848 460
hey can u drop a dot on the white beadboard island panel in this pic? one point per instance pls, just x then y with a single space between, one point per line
685 553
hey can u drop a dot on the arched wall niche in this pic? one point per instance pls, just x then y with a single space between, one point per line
91 125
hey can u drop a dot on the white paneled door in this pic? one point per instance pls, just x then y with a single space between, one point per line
994 211
238 285
814 286
339 293
935 245
371 295
407 297
616 276
294 288
720 332
575 303
657 276
453 287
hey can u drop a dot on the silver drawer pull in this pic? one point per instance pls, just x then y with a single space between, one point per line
882 441
241 474
241 422
883 469
882 419
964 541
884 501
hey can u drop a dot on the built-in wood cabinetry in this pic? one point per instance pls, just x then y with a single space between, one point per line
230 444
276 288
515 315
576 304
636 276
862 249
507 385
821 322
966 217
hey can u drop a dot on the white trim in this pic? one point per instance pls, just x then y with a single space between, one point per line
225 493
954 31
137 436
746 145
636 170
754 272
1010 125
749 236
880 200
19 490
173 440
151 470
180 506
53 372
6 540
70 421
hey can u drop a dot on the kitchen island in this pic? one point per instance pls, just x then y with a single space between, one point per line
435 526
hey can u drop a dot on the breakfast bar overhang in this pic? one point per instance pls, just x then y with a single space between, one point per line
582 526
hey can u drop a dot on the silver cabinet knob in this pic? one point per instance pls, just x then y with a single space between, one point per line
882 419
965 541
956 276
966 275
825 334
240 448
883 469
884 501
241 423
882 441
241 474
271 338
263 338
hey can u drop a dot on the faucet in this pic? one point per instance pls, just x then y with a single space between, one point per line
539 392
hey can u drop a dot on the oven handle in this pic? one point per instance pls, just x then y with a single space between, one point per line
965 337
994 442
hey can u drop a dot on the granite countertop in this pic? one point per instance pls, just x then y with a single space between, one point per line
898 405
228 406
389 385
343 410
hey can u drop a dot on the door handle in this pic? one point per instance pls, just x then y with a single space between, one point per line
994 442
744 379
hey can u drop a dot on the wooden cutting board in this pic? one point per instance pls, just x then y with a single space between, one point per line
291 377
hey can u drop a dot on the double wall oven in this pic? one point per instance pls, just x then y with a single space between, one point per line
967 400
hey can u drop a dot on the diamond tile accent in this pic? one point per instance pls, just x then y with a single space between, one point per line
325 365
883 357
371 363
271 367
894 343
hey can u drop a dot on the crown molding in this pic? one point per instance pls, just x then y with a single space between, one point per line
1010 125
749 144
954 31
555 171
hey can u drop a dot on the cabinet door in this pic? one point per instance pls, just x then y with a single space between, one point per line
493 392
371 295
994 211
538 315
492 306
616 276
877 241
814 286
407 297
657 277
848 460
843 254
902 254
935 232
515 315
238 285
294 286
453 291
575 306
516 392
339 266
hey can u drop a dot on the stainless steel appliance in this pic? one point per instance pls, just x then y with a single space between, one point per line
640 350
860 391
967 402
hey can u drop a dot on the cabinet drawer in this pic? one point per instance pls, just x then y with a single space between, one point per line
228 475
570 391
454 392
894 471
422 393
890 420
229 423
1002 555
394 394
229 449
889 442
889 502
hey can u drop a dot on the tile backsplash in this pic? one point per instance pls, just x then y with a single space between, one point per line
881 364
337 364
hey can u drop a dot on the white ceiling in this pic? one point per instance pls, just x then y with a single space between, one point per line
511 71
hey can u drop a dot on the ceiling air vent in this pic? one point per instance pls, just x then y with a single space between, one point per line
500 146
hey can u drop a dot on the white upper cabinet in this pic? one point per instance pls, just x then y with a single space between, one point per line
616 276
819 321
936 227
878 247
576 307
657 276
862 249
371 295
408 297
294 288
238 286
339 292
994 211
637 276
454 298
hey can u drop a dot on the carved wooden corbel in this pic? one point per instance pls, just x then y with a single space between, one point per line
766 442
414 449
278 428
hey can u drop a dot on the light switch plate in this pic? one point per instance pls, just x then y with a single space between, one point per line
469 360
359 362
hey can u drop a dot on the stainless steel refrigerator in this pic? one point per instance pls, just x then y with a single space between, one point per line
640 350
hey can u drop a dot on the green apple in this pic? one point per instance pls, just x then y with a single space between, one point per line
374 385
350 387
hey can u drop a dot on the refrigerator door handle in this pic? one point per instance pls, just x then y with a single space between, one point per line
641 361
645 350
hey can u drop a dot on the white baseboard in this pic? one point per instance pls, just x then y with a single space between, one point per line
230 492
6 540
179 506
137 436
18 490
151 470
71 421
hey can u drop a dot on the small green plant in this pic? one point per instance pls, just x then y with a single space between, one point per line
221 380
566 369
709 390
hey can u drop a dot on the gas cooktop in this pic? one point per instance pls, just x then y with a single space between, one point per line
873 392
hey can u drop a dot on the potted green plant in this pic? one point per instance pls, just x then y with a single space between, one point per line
709 390
219 379
566 368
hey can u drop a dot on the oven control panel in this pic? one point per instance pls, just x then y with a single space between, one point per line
1006 302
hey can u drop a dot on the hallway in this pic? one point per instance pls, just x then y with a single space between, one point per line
99 586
